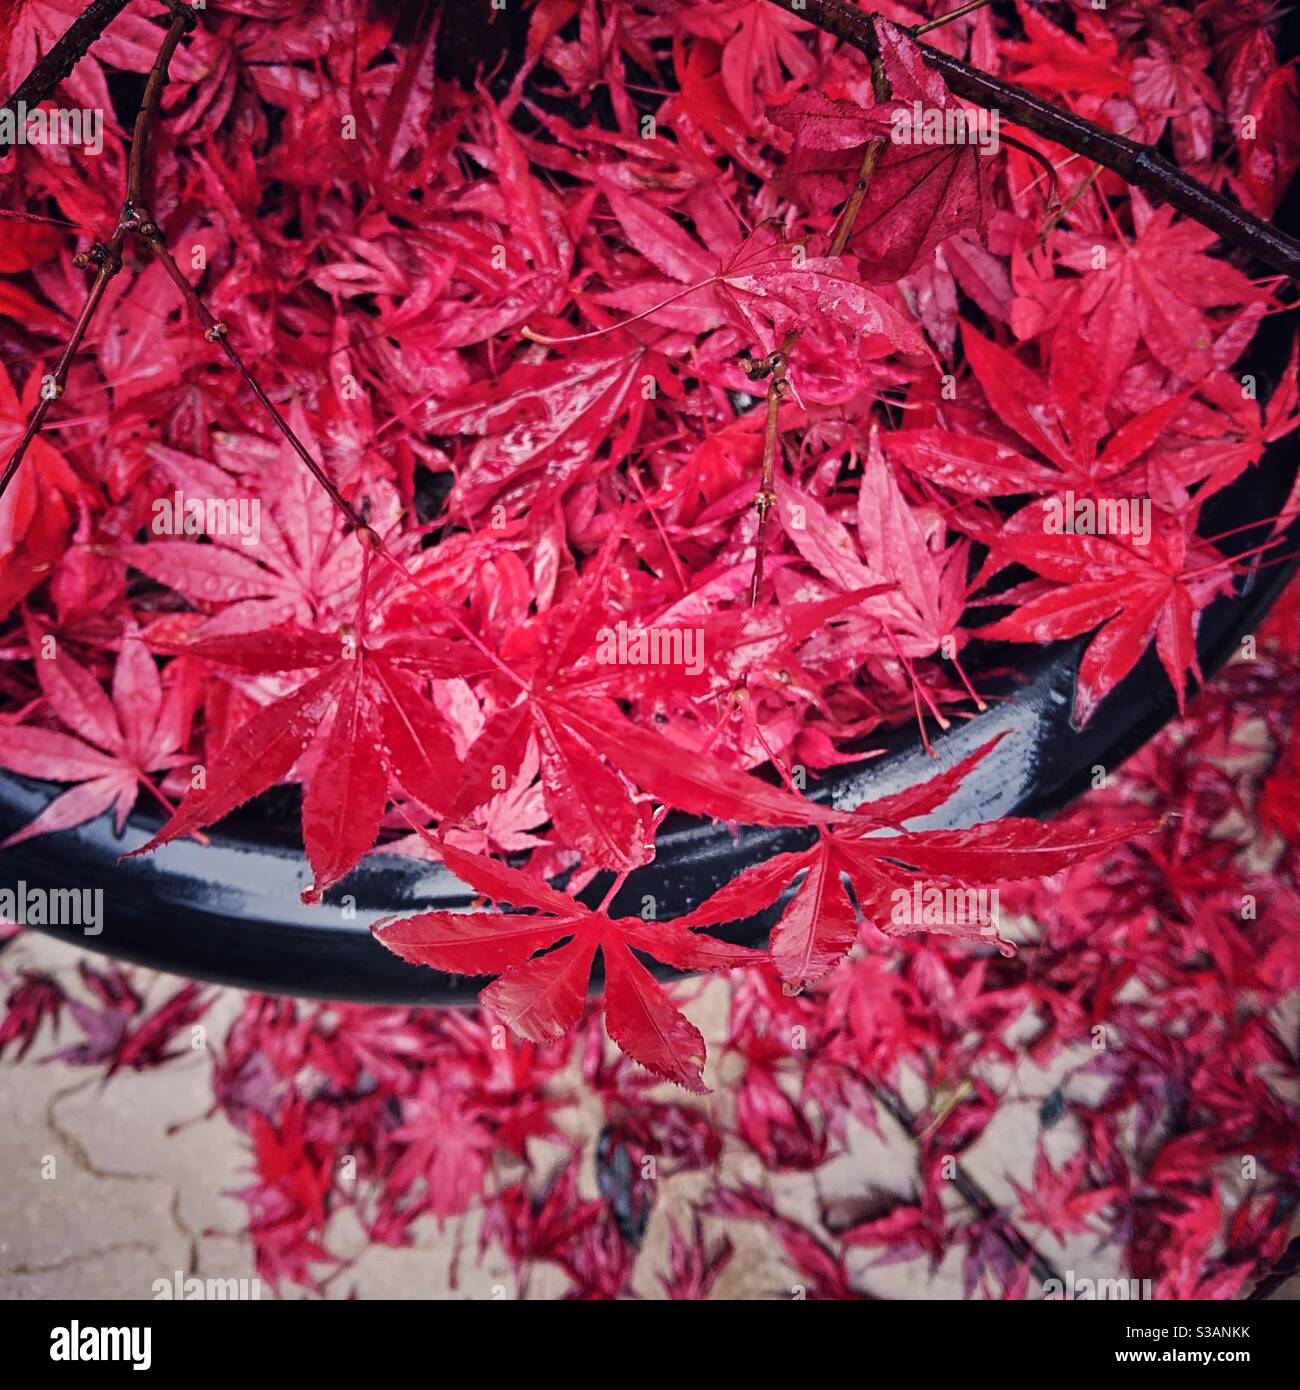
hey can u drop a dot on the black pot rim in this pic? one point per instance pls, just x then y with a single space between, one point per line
230 912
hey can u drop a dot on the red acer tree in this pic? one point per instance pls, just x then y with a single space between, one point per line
375 404
327 640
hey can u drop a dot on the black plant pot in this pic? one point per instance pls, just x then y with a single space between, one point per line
230 911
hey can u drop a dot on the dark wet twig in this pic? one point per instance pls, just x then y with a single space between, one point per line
55 65
1137 164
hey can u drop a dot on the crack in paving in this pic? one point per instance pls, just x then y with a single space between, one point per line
77 1150
81 1257
188 1234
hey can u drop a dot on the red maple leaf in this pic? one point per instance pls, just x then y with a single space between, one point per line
758 42
35 999
543 425
765 287
113 745
1131 593
821 921
542 996
294 565
921 192
366 711
1055 1201
923 588
447 1145
592 757
1061 415
1159 287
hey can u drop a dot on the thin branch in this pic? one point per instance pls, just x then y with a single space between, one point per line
1019 1245
1137 164
1286 1268
134 220
776 365
183 22
778 388
215 331
106 257
66 53
109 263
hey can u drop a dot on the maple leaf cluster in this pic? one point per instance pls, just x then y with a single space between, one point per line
1142 1025
521 327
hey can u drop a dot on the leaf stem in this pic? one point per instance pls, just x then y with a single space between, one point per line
848 218
165 802
216 331
948 18
659 816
